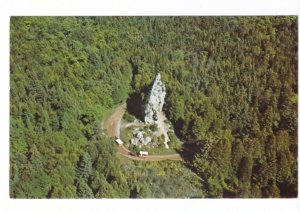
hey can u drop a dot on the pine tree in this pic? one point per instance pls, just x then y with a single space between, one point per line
84 169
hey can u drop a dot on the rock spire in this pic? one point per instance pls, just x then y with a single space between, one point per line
156 100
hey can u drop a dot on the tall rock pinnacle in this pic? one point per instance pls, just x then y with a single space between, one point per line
156 100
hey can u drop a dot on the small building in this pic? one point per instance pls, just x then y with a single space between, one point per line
143 154
119 142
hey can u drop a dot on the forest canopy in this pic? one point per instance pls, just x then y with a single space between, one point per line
232 95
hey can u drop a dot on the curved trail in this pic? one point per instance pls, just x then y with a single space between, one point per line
112 124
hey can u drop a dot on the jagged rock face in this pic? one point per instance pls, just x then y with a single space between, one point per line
156 100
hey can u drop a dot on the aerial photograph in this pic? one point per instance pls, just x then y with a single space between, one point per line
153 107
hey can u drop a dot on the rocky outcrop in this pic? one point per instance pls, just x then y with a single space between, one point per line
139 140
153 115
156 100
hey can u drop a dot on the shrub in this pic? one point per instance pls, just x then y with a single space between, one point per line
153 127
129 117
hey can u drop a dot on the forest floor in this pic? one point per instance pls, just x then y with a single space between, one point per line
112 124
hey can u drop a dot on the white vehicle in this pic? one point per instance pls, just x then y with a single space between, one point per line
143 154
119 142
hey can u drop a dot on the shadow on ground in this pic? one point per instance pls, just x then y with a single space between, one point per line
136 103
187 152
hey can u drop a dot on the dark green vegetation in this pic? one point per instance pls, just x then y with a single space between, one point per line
231 96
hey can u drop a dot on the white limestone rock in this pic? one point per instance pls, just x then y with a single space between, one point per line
156 100
140 136
134 141
147 140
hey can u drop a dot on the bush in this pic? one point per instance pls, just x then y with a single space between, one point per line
129 117
153 127
137 149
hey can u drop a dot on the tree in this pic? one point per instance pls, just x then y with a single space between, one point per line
84 169
231 97
83 190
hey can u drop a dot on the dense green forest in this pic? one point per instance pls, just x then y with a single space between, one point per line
231 95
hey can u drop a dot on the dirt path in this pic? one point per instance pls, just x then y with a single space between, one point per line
113 122
112 125
163 129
